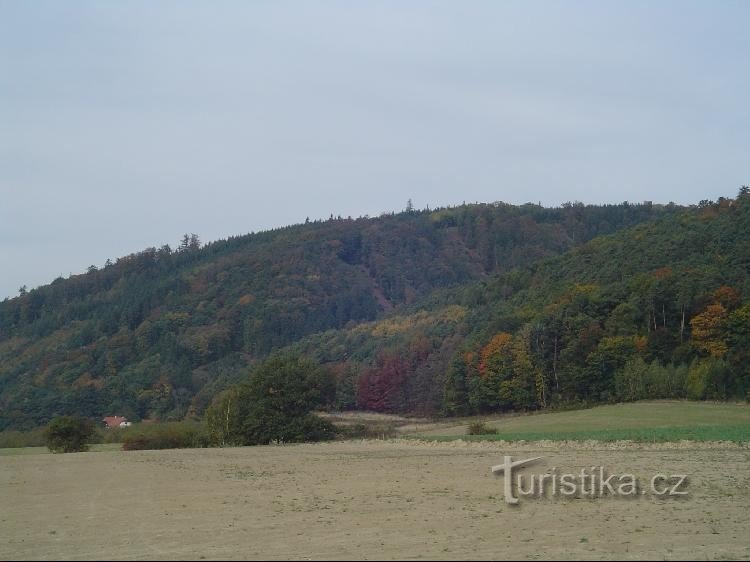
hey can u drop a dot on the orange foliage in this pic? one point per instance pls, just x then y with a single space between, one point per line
663 272
728 297
470 358
246 299
708 328
499 343
640 342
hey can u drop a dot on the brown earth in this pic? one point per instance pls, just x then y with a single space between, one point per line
367 500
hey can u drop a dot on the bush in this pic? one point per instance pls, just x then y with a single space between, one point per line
176 435
369 430
265 426
481 428
16 439
68 434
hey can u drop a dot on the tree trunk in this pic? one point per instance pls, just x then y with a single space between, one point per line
682 324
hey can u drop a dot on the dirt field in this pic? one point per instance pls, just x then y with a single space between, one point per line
366 500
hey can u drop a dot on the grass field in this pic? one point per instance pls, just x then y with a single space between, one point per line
656 421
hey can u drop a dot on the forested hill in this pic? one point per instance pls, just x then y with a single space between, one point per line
660 310
156 334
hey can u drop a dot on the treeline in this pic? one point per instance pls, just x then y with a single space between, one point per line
588 349
155 335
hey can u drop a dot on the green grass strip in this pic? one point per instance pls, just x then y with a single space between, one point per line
734 433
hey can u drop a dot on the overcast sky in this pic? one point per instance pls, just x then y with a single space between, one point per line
125 124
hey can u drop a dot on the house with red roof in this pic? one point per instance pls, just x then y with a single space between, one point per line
116 421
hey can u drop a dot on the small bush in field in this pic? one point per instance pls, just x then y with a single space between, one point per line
68 434
366 430
481 428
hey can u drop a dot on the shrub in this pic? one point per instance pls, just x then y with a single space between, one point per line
481 428
68 434
176 435
15 439
369 430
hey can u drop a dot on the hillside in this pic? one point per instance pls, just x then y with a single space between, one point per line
656 311
156 334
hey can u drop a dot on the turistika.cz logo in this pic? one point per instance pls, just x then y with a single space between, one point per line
590 482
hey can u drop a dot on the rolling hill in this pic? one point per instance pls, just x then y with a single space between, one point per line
401 307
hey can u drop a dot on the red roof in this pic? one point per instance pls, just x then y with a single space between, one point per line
114 421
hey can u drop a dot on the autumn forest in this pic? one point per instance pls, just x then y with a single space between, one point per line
454 311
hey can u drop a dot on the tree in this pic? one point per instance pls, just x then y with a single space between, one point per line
455 392
69 434
382 388
225 415
707 378
346 387
275 404
709 330
738 327
189 243
184 243
630 380
529 389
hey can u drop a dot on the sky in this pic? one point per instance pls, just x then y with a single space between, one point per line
124 125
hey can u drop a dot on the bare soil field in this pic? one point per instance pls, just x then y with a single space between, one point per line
367 500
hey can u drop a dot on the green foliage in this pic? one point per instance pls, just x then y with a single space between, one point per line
157 334
346 388
639 314
630 381
456 393
651 421
275 404
225 416
738 356
735 433
69 434
708 378
173 435
15 439
639 380
404 310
